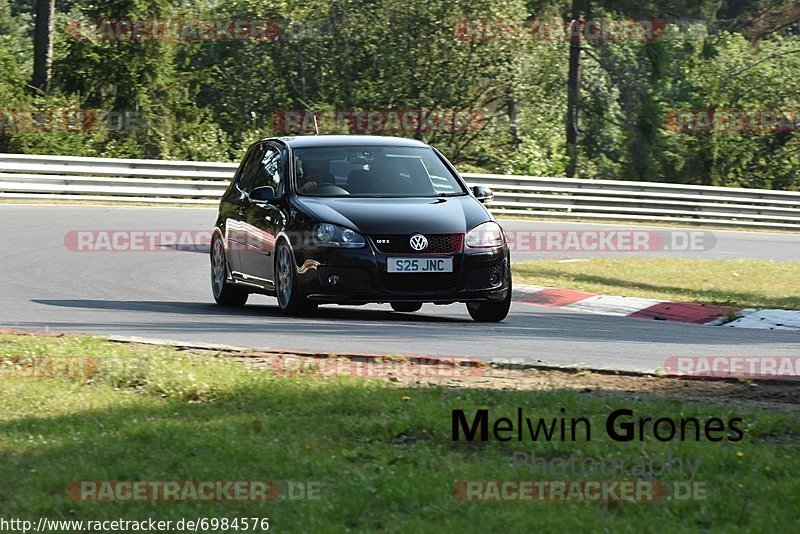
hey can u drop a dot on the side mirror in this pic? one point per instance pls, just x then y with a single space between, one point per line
263 194
483 194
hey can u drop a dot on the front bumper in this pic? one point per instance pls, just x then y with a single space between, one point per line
362 277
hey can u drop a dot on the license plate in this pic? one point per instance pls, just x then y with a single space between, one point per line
420 265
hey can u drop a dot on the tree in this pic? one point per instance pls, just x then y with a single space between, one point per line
573 89
43 45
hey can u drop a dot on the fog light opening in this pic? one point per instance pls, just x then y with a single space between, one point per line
494 279
334 279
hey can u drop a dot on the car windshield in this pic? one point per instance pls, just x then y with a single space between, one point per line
373 171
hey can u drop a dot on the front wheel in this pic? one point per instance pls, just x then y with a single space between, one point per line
225 293
488 311
289 299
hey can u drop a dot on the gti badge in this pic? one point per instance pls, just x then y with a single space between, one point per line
418 242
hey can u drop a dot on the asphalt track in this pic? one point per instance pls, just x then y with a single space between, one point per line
166 294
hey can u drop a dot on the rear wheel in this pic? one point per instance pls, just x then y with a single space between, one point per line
289 299
407 307
489 311
225 293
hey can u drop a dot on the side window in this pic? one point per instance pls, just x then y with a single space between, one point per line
238 174
270 170
250 167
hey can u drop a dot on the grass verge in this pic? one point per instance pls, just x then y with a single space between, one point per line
382 452
746 283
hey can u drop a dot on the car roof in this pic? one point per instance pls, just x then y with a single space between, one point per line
305 141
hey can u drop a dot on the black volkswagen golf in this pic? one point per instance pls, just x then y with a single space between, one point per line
357 219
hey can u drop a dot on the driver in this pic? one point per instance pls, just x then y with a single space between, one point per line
315 174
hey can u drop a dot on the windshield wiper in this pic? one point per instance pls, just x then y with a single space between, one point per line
449 194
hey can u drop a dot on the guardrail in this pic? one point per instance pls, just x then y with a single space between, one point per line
189 182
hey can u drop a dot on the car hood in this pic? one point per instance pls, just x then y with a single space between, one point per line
387 216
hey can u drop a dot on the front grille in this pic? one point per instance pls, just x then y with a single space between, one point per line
437 244
415 283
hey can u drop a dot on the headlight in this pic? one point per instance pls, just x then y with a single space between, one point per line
488 234
331 235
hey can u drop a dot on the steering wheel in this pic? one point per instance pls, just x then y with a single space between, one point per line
330 189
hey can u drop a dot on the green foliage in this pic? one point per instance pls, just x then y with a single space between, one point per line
210 99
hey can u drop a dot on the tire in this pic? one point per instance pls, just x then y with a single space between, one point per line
289 299
406 307
488 311
225 293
